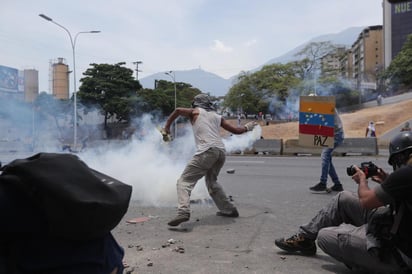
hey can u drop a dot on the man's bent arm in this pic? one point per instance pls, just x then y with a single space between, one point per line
187 112
367 197
235 130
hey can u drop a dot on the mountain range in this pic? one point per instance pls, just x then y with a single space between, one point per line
217 86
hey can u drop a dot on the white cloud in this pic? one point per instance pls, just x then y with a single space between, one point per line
219 46
250 43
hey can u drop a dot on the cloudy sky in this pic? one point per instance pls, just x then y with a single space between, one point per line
220 36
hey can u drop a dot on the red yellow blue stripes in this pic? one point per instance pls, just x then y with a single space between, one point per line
317 121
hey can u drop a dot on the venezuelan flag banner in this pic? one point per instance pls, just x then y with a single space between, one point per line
317 121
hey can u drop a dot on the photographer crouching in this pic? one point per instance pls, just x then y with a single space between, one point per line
370 231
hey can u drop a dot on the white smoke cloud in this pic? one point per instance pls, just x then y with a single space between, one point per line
237 143
147 163
152 166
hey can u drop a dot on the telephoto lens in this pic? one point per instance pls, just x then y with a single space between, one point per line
369 168
350 170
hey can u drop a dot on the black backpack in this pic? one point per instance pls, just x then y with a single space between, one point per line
78 202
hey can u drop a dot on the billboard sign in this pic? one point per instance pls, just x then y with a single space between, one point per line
9 79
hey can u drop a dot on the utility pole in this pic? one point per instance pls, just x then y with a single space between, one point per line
137 68
73 44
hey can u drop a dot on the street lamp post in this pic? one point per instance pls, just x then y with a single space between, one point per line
173 76
73 45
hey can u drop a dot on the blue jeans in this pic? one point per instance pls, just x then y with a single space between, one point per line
326 157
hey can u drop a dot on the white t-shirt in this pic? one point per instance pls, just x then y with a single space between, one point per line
371 130
206 130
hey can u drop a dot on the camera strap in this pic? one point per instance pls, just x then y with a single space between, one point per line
397 219
398 216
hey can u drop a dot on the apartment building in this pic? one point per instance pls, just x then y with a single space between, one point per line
331 63
367 57
374 49
360 64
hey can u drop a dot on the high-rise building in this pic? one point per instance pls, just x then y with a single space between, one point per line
346 65
31 84
367 57
397 22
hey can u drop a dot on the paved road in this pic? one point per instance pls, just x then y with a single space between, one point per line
390 100
272 196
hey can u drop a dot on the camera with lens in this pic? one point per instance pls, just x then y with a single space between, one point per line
369 168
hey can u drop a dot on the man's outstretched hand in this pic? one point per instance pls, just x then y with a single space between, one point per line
166 136
250 125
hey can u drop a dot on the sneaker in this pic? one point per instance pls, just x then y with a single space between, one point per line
178 220
319 187
234 213
297 243
337 187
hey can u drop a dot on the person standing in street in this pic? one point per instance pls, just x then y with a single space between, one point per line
208 159
327 167
370 130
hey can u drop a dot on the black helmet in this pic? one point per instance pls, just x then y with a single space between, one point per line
398 145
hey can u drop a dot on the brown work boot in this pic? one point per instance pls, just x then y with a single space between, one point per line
297 243
178 220
233 213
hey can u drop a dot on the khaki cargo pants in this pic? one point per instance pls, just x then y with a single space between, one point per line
207 164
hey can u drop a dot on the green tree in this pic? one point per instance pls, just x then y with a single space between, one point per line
314 52
277 79
162 98
310 64
112 88
399 72
48 109
253 92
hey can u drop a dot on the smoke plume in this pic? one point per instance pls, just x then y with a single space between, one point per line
152 166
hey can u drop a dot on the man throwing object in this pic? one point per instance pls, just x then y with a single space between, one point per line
209 157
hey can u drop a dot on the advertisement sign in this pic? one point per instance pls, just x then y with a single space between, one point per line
9 79
317 121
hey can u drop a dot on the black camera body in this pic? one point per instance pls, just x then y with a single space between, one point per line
369 168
